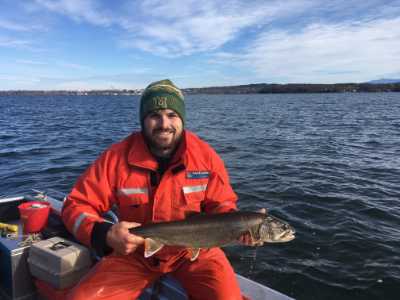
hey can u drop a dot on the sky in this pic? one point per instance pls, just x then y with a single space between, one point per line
122 44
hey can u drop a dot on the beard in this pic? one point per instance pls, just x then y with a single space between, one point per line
163 141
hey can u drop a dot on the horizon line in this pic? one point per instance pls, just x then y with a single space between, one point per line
372 82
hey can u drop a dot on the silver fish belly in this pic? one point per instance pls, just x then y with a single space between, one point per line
213 230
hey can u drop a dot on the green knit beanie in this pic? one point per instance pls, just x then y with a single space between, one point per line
162 94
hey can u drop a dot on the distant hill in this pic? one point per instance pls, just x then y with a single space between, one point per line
384 80
258 88
265 88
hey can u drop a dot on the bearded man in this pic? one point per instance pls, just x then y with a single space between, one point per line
162 173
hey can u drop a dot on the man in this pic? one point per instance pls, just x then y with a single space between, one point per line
162 173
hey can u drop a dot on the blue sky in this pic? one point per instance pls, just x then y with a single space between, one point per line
93 44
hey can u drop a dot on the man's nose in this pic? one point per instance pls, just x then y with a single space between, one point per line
164 121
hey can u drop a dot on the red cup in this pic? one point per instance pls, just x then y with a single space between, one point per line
34 215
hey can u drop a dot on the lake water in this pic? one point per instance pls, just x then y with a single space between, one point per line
329 164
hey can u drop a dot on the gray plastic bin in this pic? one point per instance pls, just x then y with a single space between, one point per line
59 262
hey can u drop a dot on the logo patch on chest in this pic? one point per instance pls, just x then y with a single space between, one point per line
197 174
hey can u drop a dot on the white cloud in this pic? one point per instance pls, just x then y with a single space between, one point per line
19 79
30 62
90 85
62 64
11 25
14 43
324 52
73 66
175 28
280 41
79 10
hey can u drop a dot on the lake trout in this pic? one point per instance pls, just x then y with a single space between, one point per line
213 230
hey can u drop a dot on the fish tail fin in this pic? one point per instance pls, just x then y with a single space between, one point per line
151 247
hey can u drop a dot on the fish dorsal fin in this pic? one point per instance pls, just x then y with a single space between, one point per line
151 247
194 253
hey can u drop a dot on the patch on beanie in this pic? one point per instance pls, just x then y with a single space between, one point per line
160 102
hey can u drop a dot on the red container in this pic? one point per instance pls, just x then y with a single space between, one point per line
34 215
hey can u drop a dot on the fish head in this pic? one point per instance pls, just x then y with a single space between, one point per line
274 230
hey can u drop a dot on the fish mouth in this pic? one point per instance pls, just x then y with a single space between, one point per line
287 236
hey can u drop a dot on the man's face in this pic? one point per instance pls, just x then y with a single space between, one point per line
163 131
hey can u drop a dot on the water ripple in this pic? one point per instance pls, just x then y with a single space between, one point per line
329 164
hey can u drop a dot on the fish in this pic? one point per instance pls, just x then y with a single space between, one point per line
213 230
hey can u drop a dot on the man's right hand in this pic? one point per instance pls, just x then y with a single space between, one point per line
121 240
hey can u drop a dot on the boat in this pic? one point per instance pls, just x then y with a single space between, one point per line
19 280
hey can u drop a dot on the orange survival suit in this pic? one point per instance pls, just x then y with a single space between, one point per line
127 176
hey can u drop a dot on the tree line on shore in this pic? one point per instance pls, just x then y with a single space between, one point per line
260 88
264 88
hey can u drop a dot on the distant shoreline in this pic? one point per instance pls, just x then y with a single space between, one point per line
261 88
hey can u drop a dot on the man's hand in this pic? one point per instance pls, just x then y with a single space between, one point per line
119 238
246 238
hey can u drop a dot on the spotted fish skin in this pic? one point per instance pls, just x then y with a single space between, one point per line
217 230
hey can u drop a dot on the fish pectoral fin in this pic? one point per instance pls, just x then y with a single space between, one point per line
194 253
255 237
151 247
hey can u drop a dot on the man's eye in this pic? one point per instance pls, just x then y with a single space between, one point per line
154 116
172 115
